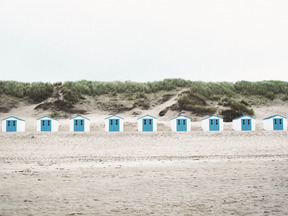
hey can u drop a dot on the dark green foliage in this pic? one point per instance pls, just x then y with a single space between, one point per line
201 110
244 102
193 101
237 109
163 112
266 89
93 88
141 95
285 98
142 103
37 91
166 97
44 106
241 108
213 89
229 115
63 105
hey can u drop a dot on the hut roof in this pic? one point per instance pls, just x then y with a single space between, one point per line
181 116
147 116
79 117
244 116
47 117
12 117
114 116
274 116
212 116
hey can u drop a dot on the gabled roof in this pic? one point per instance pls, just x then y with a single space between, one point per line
243 116
147 116
181 116
212 116
47 117
114 116
274 116
13 117
79 117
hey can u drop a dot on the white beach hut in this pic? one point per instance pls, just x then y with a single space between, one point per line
47 123
114 124
147 123
275 122
13 124
79 124
244 123
180 123
212 123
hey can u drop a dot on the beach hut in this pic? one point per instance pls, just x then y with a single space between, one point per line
79 124
212 123
275 122
114 124
47 123
13 124
147 123
244 123
180 123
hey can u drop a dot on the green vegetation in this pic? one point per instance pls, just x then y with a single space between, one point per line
201 98
36 91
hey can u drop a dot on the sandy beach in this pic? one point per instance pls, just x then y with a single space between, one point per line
163 173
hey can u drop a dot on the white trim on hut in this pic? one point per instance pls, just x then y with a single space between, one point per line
13 124
81 125
114 123
47 123
147 127
244 123
212 123
275 122
184 123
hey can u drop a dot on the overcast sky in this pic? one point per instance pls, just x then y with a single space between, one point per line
143 40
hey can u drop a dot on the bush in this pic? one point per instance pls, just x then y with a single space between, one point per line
263 88
163 112
142 103
167 97
229 115
240 108
36 91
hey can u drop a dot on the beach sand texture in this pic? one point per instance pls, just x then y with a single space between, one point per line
163 173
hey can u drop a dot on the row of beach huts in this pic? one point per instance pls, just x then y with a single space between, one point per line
147 123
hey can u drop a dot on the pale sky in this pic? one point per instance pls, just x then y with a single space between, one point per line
147 40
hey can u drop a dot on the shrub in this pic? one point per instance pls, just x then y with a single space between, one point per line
240 108
229 115
167 97
163 112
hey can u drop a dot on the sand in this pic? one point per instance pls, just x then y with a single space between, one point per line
131 173
163 173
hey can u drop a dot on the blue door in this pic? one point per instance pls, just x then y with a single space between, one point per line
114 125
278 123
78 125
11 125
45 125
147 124
246 124
214 125
181 125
